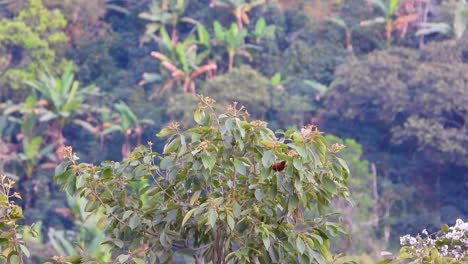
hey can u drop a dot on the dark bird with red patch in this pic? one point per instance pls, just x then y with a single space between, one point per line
279 166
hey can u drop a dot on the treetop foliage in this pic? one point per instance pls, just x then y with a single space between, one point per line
416 95
30 41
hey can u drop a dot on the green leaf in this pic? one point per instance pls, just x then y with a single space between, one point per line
297 164
107 173
188 215
166 162
260 26
33 147
246 161
123 258
230 221
300 245
266 242
134 221
212 217
344 165
219 31
268 158
276 79
445 228
138 261
385 261
165 37
300 149
240 167
195 197
239 126
91 206
199 116
329 185
171 146
164 132
126 215
203 36
208 161
259 194
13 258
392 7
25 250
101 223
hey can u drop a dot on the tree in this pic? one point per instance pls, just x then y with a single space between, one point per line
215 193
408 109
29 41
415 101
85 20
238 85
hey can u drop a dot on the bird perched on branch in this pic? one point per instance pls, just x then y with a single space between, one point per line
279 166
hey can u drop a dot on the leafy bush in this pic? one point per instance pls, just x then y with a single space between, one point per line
243 84
217 193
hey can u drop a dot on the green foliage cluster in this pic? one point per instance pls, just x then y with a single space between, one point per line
412 94
28 42
244 85
409 109
12 246
213 194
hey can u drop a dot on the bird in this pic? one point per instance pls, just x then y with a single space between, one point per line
279 166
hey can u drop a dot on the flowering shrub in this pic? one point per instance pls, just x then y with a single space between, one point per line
449 245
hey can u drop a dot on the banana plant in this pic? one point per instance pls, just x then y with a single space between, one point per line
182 63
129 125
163 13
233 40
64 99
391 19
347 29
263 31
238 8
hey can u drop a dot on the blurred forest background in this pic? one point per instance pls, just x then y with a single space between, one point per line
389 79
